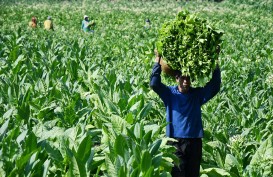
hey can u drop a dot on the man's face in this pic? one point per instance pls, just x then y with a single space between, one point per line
184 83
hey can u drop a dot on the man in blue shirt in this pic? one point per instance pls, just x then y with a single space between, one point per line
183 115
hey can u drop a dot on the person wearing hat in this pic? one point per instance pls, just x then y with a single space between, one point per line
48 24
87 25
147 24
33 22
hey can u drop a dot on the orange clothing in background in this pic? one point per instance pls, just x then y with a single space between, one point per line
32 24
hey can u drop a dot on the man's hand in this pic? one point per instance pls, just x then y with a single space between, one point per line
217 64
157 59
157 56
218 49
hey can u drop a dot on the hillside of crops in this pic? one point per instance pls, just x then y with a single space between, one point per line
78 104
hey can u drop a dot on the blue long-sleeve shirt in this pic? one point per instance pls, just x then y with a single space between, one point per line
183 110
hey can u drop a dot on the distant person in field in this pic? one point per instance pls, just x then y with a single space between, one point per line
147 24
33 22
48 24
87 25
183 115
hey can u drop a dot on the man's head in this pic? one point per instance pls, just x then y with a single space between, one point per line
49 17
184 82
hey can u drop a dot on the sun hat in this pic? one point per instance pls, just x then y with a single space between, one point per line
85 16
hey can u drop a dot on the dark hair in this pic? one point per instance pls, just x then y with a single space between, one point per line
177 73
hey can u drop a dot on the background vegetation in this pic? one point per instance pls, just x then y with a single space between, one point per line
75 104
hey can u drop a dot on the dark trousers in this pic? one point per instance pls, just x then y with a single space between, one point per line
189 151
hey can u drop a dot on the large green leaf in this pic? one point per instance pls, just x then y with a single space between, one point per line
264 152
110 167
76 168
155 147
146 161
46 167
31 165
144 111
52 151
120 145
232 164
84 149
4 129
118 123
262 159
215 172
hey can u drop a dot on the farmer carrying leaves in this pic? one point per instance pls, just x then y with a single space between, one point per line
182 101
87 25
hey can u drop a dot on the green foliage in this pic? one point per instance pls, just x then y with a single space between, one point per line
76 104
189 44
138 154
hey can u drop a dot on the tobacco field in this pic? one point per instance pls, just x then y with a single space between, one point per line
78 104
